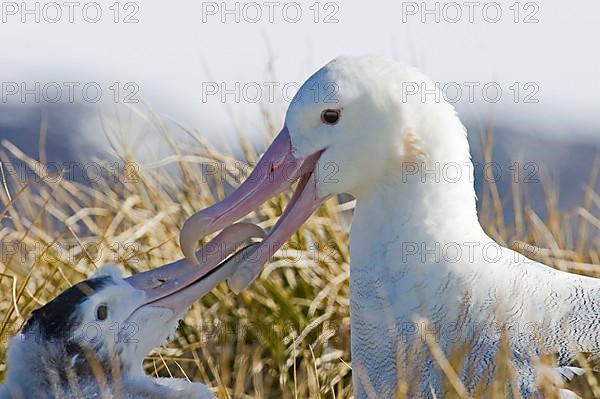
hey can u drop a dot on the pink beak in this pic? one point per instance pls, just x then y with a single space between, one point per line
179 284
276 171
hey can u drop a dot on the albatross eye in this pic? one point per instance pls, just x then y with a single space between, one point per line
330 116
102 312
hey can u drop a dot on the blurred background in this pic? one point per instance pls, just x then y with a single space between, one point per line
76 74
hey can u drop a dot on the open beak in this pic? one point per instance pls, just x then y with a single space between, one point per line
179 284
276 171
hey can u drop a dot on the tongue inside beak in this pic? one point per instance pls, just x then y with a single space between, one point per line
276 171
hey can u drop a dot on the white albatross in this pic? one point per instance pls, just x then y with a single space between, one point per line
417 248
90 341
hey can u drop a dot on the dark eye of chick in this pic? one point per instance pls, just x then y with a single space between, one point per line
330 116
102 312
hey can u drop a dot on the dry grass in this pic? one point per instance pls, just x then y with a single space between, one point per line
288 336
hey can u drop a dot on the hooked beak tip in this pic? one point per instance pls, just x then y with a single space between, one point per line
188 237
277 169
199 226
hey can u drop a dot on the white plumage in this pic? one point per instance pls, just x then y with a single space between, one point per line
56 354
91 340
418 251
417 248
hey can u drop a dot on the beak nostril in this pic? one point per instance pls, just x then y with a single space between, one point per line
157 282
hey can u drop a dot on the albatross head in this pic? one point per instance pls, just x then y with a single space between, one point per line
345 116
93 337
349 124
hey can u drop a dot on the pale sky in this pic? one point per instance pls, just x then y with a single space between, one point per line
178 49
